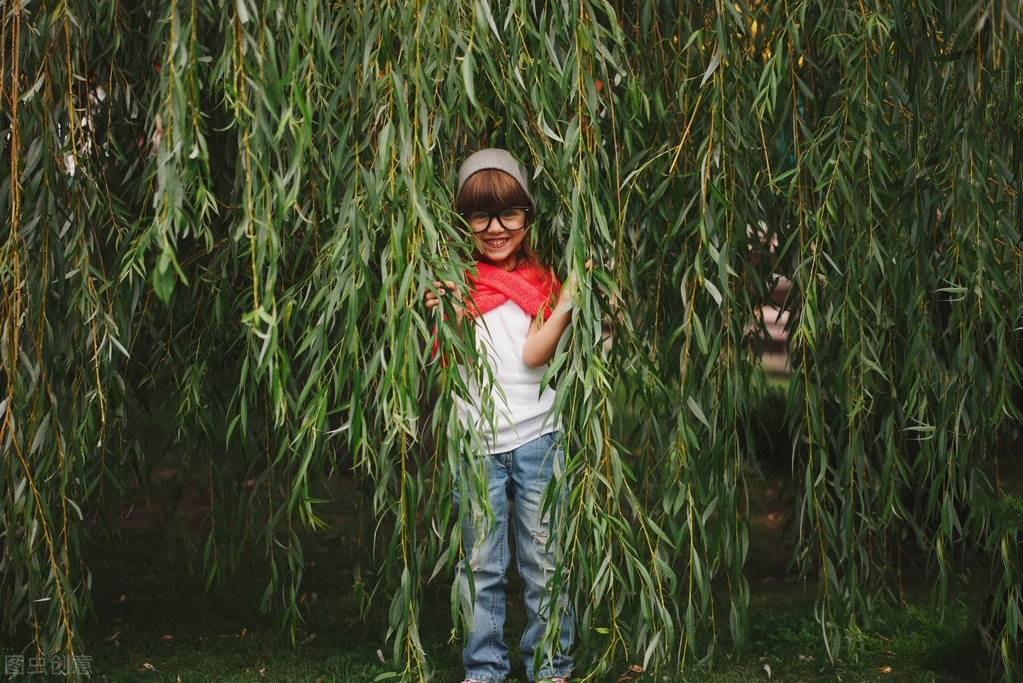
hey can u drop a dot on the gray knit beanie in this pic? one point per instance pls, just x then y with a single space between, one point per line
497 159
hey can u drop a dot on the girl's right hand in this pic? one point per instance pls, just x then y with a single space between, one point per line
440 289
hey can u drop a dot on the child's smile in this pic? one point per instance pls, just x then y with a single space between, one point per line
500 247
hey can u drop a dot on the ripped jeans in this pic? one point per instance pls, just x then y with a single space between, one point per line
516 483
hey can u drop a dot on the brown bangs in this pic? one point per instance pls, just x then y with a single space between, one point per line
490 189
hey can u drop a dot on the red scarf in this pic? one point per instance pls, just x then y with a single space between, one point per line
531 287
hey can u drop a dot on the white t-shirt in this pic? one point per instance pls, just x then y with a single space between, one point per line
521 404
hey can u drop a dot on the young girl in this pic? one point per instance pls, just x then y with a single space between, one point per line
518 312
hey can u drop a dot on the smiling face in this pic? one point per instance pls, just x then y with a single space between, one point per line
499 246
491 191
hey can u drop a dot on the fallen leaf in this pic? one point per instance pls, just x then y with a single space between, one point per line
633 669
148 667
883 669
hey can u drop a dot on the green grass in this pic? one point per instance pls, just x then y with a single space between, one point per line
153 622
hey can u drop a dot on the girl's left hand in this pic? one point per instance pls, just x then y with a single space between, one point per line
571 285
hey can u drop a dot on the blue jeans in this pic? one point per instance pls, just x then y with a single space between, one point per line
517 483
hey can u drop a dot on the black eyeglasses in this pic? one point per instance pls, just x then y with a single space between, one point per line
511 218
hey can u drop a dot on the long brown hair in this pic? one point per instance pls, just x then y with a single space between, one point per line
490 190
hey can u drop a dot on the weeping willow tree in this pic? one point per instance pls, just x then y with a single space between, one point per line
219 221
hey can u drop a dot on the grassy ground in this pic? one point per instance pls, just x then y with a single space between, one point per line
154 622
